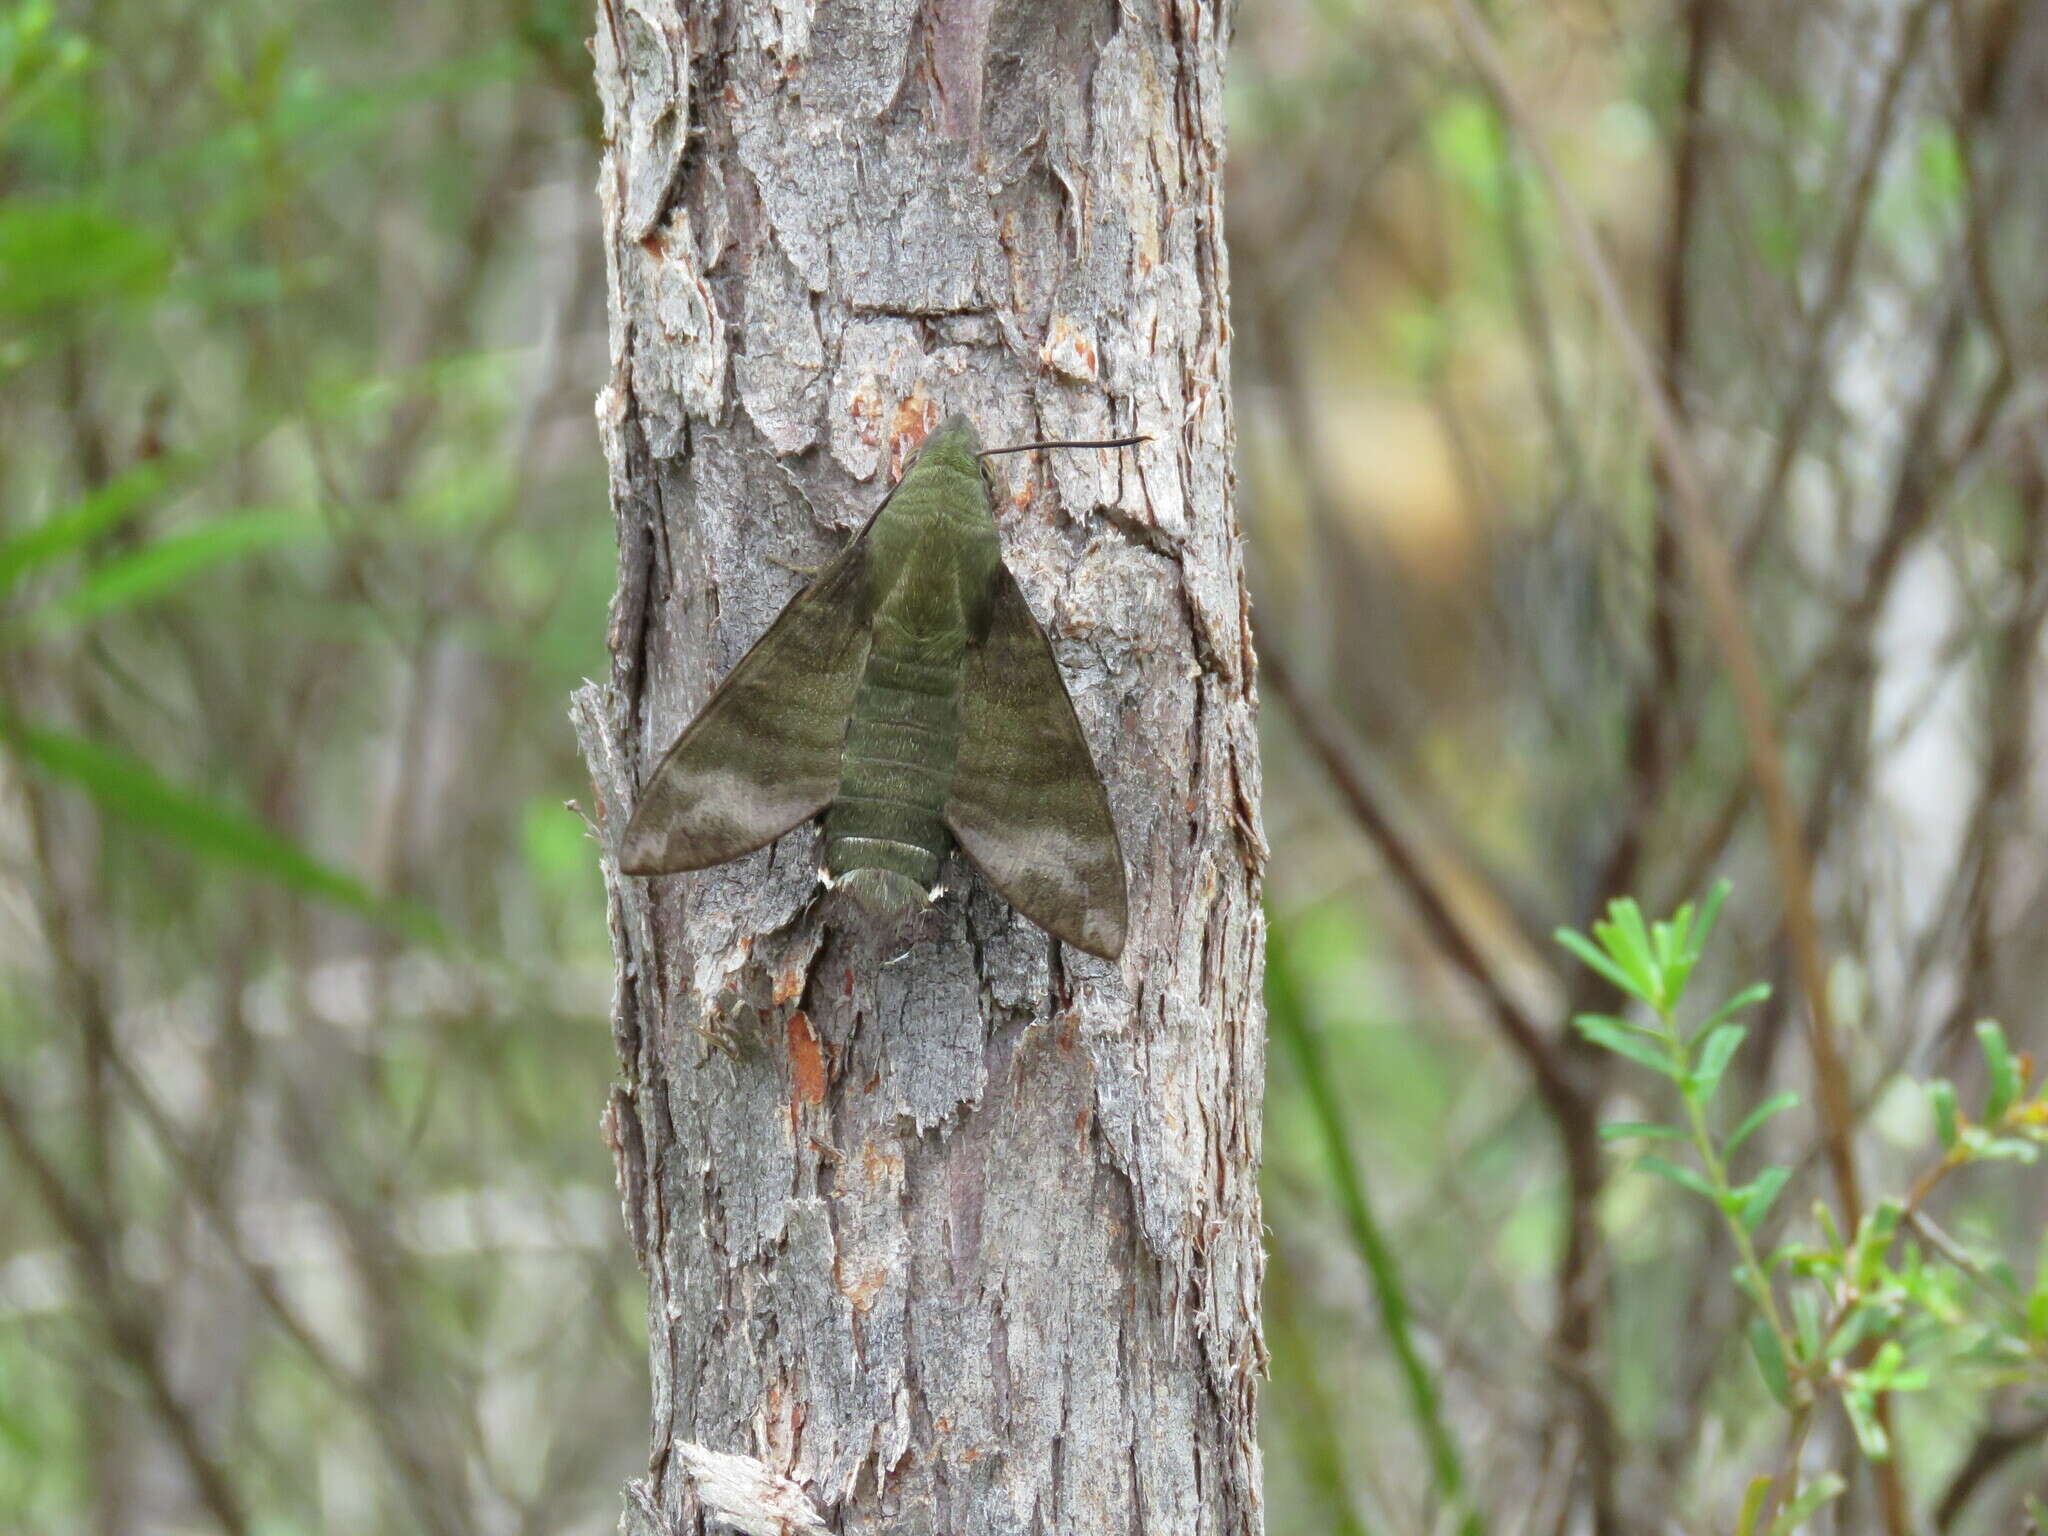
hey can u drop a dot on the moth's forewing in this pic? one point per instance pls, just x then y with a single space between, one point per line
763 755
1026 803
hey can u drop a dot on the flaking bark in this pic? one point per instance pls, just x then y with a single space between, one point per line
968 1243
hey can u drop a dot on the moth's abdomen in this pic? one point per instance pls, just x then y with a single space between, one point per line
896 770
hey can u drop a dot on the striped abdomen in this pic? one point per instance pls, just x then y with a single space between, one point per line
896 770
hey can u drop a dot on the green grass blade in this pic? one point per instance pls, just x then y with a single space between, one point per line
133 791
73 527
1287 1016
166 564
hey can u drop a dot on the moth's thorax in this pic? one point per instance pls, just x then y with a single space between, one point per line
937 541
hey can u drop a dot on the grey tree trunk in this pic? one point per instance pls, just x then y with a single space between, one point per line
968 1243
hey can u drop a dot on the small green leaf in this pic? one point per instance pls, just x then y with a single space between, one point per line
1753 1504
1591 956
1644 1031
1884 1366
1941 1098
1672 942
2037 1300
1715 1054
1807 1502
1770 1361
1801 1257
1679 1174
1664 942
1873 1239
1852 1331
1758 1195
1626 1042
1628 940
1639 1130
1806 1320
2004 1072
77 525
1710 913
1776 1104
1870 1435
59 254
1747 997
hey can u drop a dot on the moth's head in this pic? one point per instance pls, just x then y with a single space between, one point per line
955 444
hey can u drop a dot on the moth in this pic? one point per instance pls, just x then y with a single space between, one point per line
909 695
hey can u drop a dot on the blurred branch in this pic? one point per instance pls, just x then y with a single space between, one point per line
130 1328
1647 751
1445 929
1539 336
1995 1445
1919 493
422 1481
1573 1114
1715 574
1841 270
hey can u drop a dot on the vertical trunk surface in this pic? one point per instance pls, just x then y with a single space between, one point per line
967 1243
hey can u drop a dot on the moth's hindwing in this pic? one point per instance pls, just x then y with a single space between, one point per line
763 755
1026 804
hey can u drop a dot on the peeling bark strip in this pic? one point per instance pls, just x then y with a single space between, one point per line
966 1244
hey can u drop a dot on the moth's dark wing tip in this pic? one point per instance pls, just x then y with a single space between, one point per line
1095 925
1103 929
637 858
640 864
1105 941
644 850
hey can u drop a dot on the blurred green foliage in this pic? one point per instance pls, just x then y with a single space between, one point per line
303 967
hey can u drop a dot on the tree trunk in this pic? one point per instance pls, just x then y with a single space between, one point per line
970 1242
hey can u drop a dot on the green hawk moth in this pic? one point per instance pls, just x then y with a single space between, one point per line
909 695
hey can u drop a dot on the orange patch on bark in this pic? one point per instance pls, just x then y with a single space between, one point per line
912 424
789 986
862 1292
877 1164
806 1062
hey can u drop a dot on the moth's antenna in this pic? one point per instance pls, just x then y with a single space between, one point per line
1106 442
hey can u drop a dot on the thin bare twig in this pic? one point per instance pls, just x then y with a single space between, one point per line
1996 1445
134 1337
1445 929
1841 268
1574 1114
1714 573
